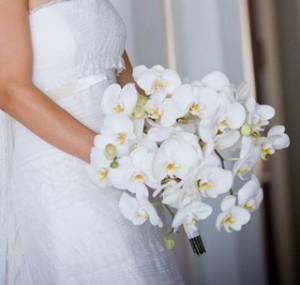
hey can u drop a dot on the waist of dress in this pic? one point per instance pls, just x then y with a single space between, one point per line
78 85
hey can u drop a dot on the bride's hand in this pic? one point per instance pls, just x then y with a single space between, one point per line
126 75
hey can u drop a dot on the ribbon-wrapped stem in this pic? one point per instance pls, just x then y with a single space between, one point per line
193 234
197 245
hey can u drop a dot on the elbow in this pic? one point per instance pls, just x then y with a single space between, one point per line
10 92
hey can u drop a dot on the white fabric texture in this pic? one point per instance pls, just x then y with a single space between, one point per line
57 227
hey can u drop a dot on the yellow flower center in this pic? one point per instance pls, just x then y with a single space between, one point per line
158 85
155 114
205 185
103 173
173 168
195 109
141 215
223 125
229 221
249 207
255 134
122 138
118 108
184 119
243 171
267 152
139 177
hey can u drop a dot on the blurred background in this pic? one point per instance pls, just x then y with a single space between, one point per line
257 41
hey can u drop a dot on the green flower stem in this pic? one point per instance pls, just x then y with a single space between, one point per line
222 159
170 211
157 203
223 166
230 159
170 233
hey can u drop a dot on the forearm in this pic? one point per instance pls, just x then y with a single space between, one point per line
28 105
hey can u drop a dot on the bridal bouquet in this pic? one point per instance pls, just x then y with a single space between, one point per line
174 143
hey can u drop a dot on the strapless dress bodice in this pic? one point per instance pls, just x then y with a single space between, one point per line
72 39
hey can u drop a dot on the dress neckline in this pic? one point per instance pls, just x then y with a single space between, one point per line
45 5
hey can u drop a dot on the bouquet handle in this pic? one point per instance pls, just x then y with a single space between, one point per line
193 234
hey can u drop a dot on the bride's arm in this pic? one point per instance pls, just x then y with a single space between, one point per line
25 102
126 75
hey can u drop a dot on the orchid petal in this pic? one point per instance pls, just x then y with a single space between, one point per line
216 80
228 202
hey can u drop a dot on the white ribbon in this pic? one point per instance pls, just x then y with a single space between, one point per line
77 86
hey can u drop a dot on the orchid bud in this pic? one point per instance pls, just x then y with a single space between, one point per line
170 243
246 130
110 151
142 100
114 164
139 112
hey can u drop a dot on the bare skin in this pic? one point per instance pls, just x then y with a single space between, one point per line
22 100
35 3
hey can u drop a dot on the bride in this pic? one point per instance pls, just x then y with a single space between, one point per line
56 226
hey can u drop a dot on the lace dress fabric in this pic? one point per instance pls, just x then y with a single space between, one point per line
68 231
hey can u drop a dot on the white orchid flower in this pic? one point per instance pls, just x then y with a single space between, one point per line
138 210
211 180
120 130
100 175
134 172
193 99
159 107
174 159
190 139
233 217
218 140
119 100
154 106
175 191
148 143
159 84
252 149
232 116
228 116
219 82
249 156
173 195
156 79
101 158
223 129
190 213
160 134
243 92
176 133
250 195
216 80
276 139
258 117
120 175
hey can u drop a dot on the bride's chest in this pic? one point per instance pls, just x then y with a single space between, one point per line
63 30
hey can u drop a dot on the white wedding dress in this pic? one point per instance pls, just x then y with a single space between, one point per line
65 230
